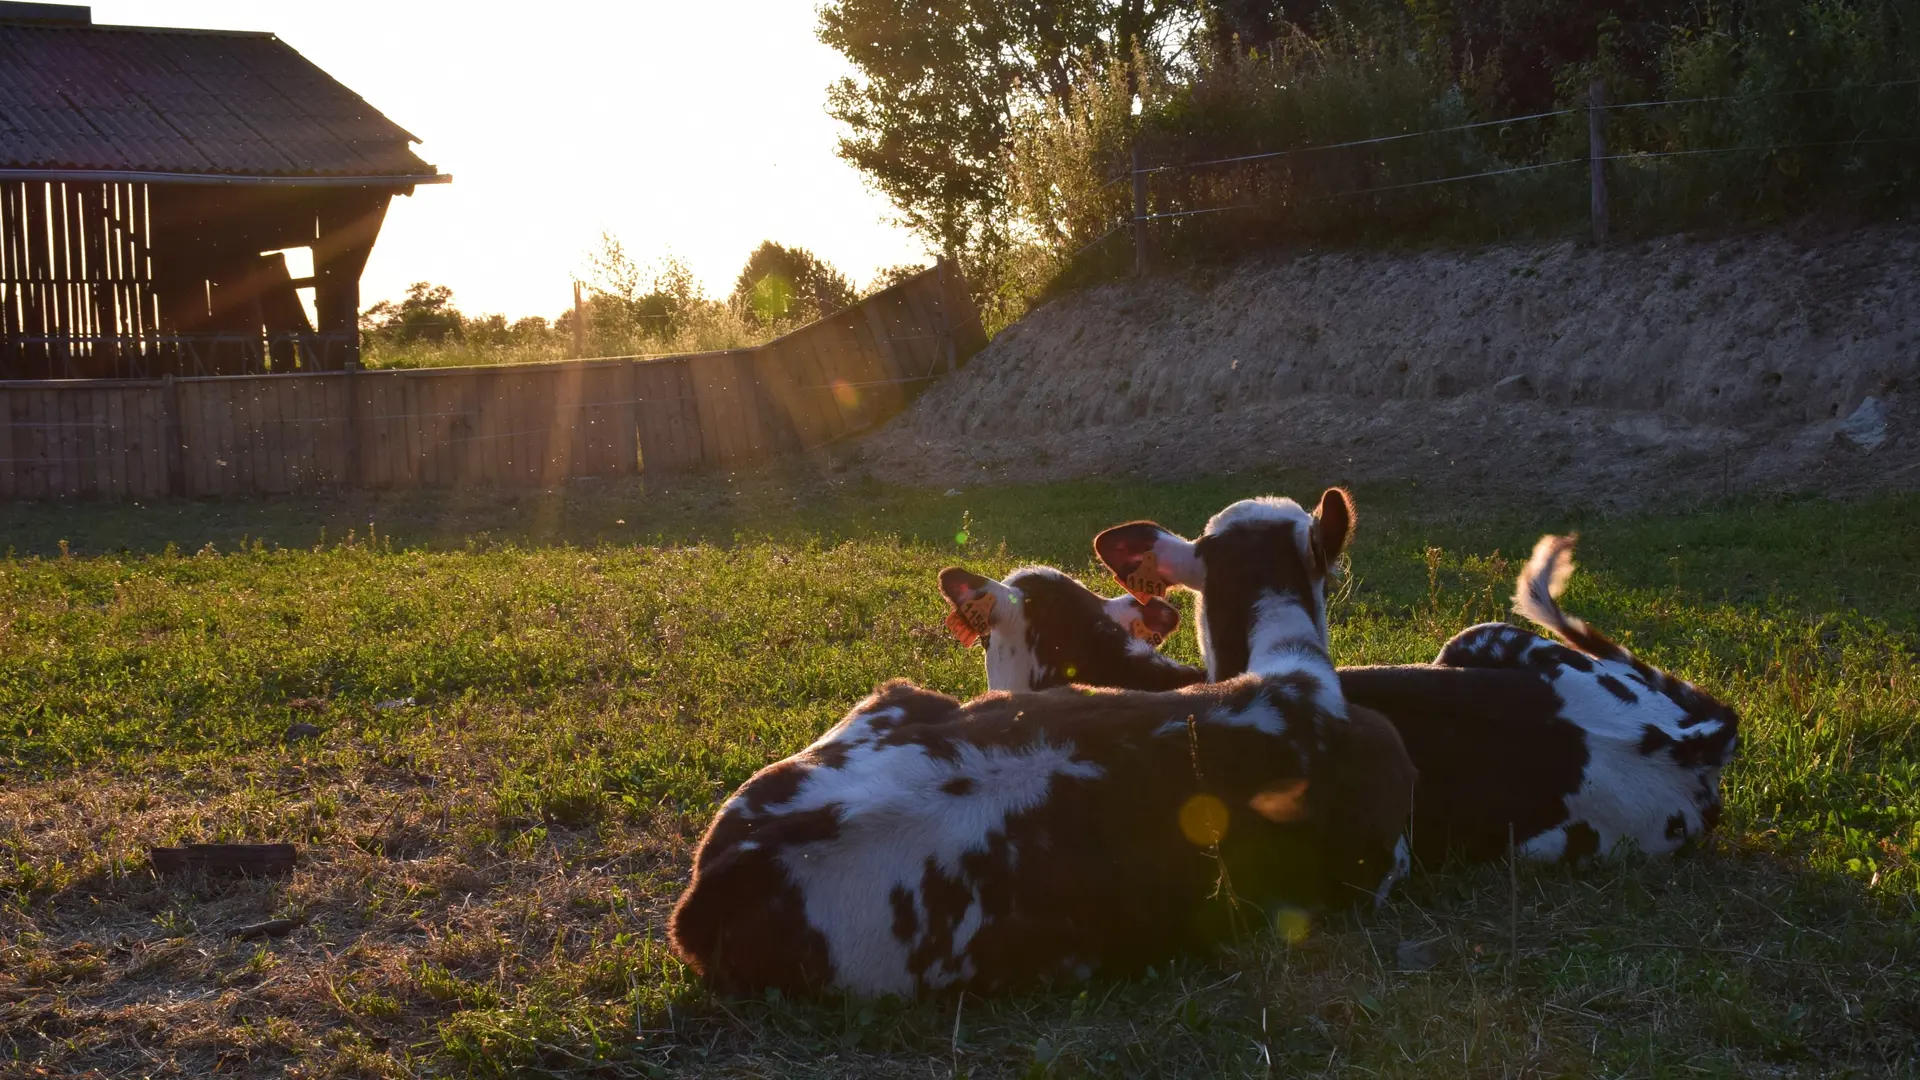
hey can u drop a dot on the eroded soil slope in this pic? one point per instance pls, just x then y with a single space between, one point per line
1679 367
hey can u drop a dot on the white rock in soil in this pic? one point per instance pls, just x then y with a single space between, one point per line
1867 427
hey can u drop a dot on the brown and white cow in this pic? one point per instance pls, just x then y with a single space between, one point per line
1567 751
924 843
1040 628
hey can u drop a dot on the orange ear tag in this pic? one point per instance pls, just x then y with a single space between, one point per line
970 620
1146 581
1141 630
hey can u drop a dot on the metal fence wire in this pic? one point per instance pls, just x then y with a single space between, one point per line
1144 213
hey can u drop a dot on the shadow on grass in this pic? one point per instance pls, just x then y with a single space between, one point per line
1731 962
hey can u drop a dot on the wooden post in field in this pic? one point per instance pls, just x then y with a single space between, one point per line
1597 155
579 324
1139 215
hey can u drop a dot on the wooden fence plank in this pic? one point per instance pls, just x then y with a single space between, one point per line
76 466
187 424
475 453
152 453
526 468
448 452
226 406
215 447
124 407
587 455
713 438
827 415
33 438
495 432
153 435
112 441
377 442
686 401
317 433
296 445
270 419
669 439
426 433
249 450
9 468
584 455
748 395
626 421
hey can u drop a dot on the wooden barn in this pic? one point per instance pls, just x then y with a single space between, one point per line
151 182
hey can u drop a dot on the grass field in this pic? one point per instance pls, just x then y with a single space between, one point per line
529 706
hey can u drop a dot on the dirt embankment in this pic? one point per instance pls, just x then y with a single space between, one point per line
1680 367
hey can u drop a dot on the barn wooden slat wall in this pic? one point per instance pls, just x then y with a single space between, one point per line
531 425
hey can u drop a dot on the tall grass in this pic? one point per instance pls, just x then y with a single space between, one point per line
1817 108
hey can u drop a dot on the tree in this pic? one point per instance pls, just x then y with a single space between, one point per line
893 275
427 314
789 284
626 298
940 81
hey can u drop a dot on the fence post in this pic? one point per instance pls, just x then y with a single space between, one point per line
1139 215
1597 155
579 324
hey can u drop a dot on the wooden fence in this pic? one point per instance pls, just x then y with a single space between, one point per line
523 425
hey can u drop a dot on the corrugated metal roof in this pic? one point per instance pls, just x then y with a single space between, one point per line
117 98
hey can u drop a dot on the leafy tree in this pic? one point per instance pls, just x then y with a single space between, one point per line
891 276
628 300
426 314
781 283
940 81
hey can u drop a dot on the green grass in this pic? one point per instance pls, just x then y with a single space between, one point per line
486 869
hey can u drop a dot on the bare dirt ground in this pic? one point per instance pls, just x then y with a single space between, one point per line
1614 378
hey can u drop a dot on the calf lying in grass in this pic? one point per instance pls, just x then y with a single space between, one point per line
1040 628
1577 749
923 843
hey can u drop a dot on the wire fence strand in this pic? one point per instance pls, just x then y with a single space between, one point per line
1631 156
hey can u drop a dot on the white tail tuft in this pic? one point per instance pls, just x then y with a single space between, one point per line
1544 579
1536 596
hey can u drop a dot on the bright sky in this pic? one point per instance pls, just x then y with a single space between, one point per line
690 127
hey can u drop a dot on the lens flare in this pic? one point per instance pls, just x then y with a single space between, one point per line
1284 802
1292 924
845 393
1203 820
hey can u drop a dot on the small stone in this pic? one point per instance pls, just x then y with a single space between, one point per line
1866 428
1514 388
297 732
395 703
1416 955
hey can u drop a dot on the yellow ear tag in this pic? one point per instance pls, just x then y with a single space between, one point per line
970 620
1146 581
1141 630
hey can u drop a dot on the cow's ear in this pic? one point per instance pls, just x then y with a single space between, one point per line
1148 560
1334 522
970 604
